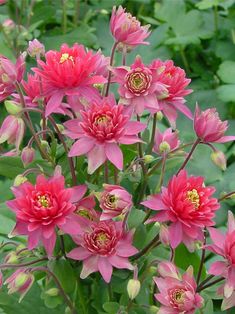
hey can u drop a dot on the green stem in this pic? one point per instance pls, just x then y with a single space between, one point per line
64 16
155 242
210 284
2 266
226 196
184 59
189 155
161 178
111 63
202 259
150 148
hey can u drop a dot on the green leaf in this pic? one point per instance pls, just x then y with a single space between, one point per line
10 167
7 219
207 4
227 72
226 92
136 217
111 307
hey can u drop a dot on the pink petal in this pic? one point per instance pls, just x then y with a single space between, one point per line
96 157
217 237
231 222
217 268
49 244
226 139
120 262
126 250
90 265
114 154
175 234
105 268
33 239
154 202
53 103
81 147
134 127
79 254
71 226
78 193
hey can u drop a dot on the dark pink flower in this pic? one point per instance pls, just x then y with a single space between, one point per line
114 201
70 71
126 29
41 207
187 205
166 142
100 130
102 246
10 73
139 86
209 127
224 245
177 294
173 99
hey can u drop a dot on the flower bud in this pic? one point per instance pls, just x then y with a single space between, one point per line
159 116
164 147
36 49
60 127
164 234
12 107
133 288
27 155
19 180
148 159
219 159
11 258
153 309
53 292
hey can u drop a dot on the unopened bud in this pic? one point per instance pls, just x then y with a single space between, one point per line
53 292
27 155
219 159
133 288
164 147
60 127
45 145
19 180
159 116
21 280
153 309
148 159
11 258
12 107
36 49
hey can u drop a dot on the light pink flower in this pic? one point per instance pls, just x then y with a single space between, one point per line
102 246
10 73
139 86
126 29
114 201
227 302
12 130
68 72
36 49
177 294
224 245
172 100
42 207
20 281
209 128
100 130
187 205
166 142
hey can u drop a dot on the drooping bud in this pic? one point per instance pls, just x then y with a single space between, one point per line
19 180
11 258
164 147
12 107
133 288
36 49
219 159
27 155
53 292
148 159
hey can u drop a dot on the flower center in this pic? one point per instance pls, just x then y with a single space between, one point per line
66 57
194 198
138 82
44 201
102 120
177 295
84 213
102 239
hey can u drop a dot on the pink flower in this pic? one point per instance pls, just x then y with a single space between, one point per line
126 29
209 127
139 86
187 205
177 294
102 246
10 74
12 130
41 207
114 201
3 1
166 142
27 155
70 71
227 302
20 281
32 90
36 49
99 131
173 99
224 245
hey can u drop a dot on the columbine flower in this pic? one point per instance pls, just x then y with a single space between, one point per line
177 294
12 131
114 201
224 245
10 74
127 30
70 71
99 131
27 155
139 86
41 207
36 49
20 281
209 128
187 204
166 142
227 302
173 99
102 246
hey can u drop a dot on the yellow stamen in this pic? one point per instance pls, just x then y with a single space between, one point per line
43 200
194 198
66 57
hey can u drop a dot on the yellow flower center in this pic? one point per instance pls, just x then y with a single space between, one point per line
102 120
66 57
44 201
101 239
178 295
194 198
84 213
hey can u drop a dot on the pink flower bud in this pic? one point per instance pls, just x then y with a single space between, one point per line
36 49
164 234
20 281
219 159
12 130
27 155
